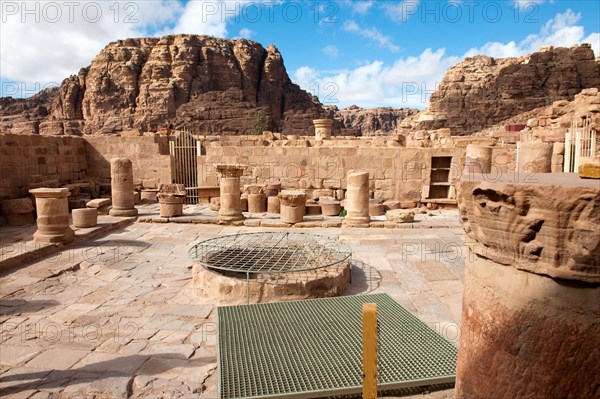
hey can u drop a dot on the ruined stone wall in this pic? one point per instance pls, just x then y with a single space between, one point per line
149 155
396 173
26 159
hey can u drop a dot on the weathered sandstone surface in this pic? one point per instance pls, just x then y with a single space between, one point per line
514 221
482 91
217 86
201 83
530 317
382 121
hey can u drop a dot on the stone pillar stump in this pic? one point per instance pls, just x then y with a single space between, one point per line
230 189
478 159
530 322
323 129
292 206
53 215
535 157
357 200
171 198
273 205
330 207
122 188
85 217
257 203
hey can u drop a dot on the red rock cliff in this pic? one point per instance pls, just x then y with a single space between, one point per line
205 84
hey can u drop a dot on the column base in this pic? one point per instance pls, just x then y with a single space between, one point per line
65 237
356 222
123 212
228 219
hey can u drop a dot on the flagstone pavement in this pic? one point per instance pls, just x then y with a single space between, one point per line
116 317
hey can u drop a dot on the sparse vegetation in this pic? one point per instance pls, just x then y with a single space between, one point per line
260 124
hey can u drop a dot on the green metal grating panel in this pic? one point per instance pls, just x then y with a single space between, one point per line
313 348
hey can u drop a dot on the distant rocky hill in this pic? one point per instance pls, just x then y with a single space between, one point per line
356 121
219 86
482 91
205 84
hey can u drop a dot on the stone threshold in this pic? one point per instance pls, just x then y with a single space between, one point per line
17 253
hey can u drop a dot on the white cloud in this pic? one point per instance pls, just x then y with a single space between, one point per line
406 83
558 31
409 81
54 39
360 7
527 4
331 51
246 33
372 34
594 40
401 12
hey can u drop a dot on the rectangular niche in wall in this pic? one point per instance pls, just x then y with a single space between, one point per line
439 184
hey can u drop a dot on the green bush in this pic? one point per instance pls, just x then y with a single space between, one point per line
260 124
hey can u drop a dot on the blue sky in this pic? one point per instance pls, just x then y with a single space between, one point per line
368 53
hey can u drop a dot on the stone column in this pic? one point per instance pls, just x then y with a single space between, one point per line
230 189
357 200
535 158
121 185
273 205
530 322
330 207
52 215
323 128
478 159
257 203
171 198
292 206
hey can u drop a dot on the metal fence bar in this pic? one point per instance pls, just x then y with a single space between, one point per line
184 150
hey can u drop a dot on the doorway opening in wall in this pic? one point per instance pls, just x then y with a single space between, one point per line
184 150
439 183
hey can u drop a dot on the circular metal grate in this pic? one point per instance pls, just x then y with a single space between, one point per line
270 252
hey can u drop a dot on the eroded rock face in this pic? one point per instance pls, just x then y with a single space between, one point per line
530 317
356 121
201 83
513 220
482 91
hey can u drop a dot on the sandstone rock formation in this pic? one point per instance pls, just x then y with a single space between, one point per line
356 121
218 86
201 83
549 124
482 91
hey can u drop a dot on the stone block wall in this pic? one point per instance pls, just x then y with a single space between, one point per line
25 158
396 173
149 155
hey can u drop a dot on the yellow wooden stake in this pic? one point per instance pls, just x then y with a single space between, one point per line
369 313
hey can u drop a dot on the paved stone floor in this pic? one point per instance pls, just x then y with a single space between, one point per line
116 317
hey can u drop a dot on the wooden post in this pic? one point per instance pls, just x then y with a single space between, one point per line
369 313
